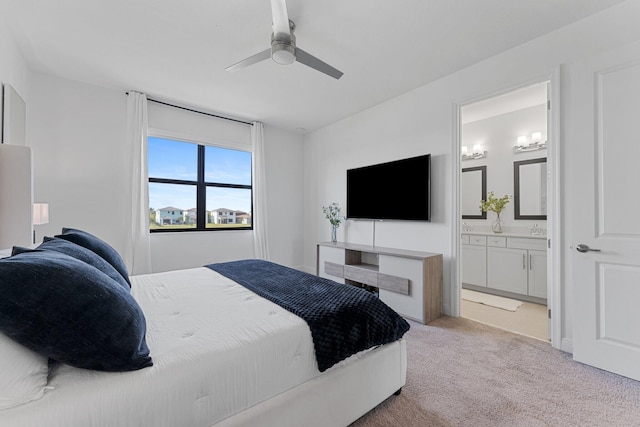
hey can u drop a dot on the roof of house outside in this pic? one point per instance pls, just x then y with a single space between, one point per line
237 213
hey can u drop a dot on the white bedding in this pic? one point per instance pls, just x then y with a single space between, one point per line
204 370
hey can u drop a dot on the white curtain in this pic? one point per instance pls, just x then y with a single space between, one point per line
260 248
137 247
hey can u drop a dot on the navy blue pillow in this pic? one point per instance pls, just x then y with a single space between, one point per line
79 252
70 311
97 245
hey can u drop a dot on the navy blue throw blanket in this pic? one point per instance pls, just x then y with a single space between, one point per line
343 319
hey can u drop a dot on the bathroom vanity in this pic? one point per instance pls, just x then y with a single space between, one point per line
512 265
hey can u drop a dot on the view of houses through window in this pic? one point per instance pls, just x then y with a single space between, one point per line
198 187
172 217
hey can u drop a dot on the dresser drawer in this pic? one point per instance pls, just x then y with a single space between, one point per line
393 283
477 240
497 242
361 275
527 243
333 269
464 239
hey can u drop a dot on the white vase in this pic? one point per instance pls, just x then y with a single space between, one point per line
334 233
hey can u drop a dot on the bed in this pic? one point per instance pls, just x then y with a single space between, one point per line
219 351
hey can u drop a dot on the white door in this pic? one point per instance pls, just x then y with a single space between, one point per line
602 122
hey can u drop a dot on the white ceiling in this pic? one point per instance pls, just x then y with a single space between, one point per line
518 99
177 51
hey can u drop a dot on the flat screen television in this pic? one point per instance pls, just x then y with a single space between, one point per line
397 190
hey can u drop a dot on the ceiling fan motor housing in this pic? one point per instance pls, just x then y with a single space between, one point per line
283 46
283 51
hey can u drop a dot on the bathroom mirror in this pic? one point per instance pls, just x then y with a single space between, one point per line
473 189
530 189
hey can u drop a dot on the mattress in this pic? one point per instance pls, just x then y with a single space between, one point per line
217 349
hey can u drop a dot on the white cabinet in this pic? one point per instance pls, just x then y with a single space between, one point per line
507 270
535 262
517 265
410 304
334 259
538 273
474 261
410 282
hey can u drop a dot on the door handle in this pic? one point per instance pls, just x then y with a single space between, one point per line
585 248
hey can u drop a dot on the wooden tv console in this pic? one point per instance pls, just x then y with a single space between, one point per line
410 282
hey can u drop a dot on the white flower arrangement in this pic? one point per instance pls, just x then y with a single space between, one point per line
332 213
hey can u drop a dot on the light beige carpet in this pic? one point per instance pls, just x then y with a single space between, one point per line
463 373
491 300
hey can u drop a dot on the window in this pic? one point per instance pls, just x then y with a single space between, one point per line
198 187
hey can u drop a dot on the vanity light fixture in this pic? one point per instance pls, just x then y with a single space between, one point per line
478 152
536 137
524 145
522 141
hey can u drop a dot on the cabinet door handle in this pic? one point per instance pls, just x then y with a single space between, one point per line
530 262
524 262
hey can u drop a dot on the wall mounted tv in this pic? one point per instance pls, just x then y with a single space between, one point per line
397 190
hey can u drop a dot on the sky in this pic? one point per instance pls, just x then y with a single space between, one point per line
178 160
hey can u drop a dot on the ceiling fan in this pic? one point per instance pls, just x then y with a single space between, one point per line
283 46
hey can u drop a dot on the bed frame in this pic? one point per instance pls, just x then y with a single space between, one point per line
338 397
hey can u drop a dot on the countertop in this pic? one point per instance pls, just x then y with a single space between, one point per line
505 234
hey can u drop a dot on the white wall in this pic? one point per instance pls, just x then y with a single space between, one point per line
498 135
425 120
284 163
13 71
77 133
13 68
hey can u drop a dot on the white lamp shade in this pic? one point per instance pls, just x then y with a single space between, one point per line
464 150
40 213
522 141
536 137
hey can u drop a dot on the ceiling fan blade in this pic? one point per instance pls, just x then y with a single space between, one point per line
313 62
265 54
280 17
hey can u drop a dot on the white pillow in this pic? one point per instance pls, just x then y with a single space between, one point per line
23 374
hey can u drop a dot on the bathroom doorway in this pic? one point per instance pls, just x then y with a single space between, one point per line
504 199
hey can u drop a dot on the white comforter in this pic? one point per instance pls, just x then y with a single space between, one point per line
217 348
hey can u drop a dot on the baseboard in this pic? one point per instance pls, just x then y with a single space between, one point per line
566 345
446 310
306 269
